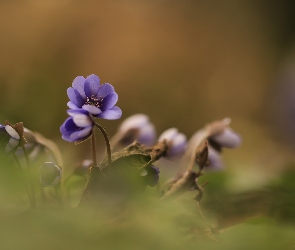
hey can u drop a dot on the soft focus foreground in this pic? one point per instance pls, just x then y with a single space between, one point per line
125 201
184 64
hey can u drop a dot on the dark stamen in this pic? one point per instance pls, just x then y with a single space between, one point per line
94 101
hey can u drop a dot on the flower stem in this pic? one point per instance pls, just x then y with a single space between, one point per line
17 161
93 145
33 204
107 141
26 187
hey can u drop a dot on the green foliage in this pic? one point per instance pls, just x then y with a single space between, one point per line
145 222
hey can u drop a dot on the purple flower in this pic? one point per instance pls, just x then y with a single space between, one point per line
137 127
78 126
176 142
98 100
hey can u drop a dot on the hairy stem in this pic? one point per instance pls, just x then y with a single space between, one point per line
93 146
107 141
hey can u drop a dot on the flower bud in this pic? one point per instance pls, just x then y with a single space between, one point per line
176 142
50 174
227 138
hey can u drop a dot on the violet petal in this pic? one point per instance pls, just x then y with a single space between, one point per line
92 109
81 134
78 84
228 138
68 126
71 105
82 120
111 114
73 112
109 101
91 85
75 97
105 90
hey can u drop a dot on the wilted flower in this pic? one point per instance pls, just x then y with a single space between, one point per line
50 174
78 127
176 141
98 100
137 127
151 175
11 137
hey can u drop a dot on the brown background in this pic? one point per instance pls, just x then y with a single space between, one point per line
184 63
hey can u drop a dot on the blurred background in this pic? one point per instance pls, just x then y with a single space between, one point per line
183 63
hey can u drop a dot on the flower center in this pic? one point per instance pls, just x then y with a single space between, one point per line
94 101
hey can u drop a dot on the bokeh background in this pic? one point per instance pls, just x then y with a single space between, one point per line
183 63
